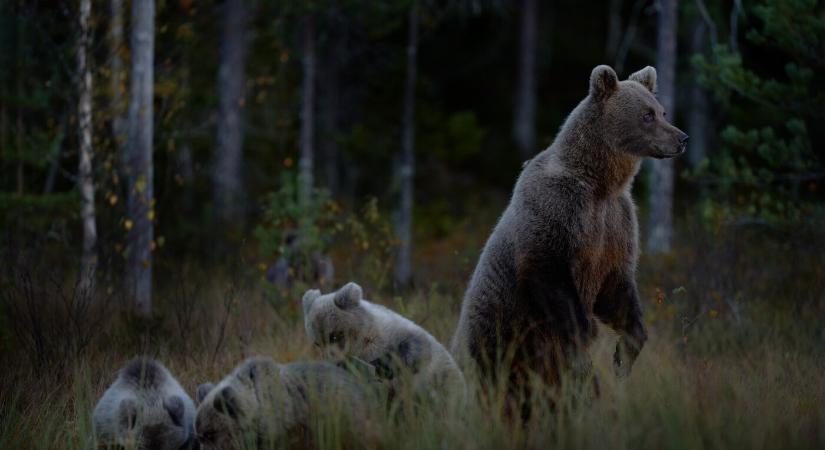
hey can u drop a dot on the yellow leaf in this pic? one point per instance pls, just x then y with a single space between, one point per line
113 200
151 214
127 224
140 183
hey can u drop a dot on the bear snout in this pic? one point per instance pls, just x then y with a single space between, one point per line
674 144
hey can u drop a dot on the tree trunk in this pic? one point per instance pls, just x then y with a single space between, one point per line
227 175
186 169
661 186
306 163
614 29
54 158
140 171
698 118
4 128
524 123
19 173
116 82
85 182
403 265
330 114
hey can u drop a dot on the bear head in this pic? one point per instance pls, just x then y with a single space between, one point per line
153 425
230 414
630 117
337 322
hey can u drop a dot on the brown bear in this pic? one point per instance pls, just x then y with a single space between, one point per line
263 404
145 408
565 249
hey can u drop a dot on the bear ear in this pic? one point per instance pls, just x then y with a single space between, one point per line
203 391
348 296
646 77
127 415
309 298
226 402
255 368
603 82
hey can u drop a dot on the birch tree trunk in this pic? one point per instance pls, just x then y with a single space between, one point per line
660 222
227 175
524 121
140 171
116 81
406 169
306 160
88 260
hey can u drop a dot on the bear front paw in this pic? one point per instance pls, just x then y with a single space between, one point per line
627 350
621 367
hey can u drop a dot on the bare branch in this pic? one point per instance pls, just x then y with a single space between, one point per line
703 10
629 35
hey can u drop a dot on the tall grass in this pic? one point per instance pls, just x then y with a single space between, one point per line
712 375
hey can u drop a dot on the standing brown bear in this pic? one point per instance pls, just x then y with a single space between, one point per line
565 249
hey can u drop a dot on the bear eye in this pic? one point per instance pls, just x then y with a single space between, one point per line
648 117
336 337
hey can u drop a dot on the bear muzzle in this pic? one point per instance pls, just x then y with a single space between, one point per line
680 147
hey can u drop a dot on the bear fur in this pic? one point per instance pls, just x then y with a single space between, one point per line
263 404
565 250
399 349
145 408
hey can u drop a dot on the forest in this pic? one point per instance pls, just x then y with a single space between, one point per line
176 174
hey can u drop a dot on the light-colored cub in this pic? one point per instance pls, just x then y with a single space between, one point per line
343 322
145 408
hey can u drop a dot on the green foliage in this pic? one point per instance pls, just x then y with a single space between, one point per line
284 215
366 242
453 138
767 160
361 242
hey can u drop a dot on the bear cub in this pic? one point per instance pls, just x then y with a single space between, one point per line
145 408
263 404
343 322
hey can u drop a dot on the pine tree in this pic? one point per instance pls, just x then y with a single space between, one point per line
771 159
